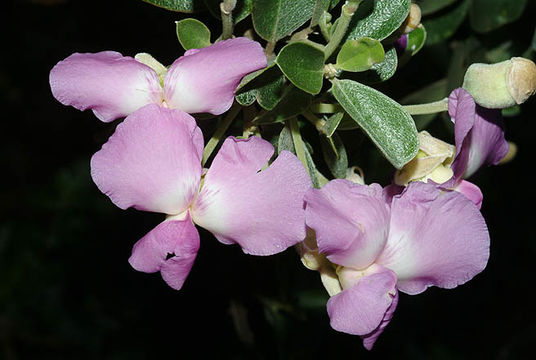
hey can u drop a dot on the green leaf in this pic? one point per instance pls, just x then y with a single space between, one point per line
285 142
360 55
332 123
303 64
265 86
443 26
192 34
293 102
335 155
240 12
388 125
431 6
488 15
184 6
275 19
379 72
416 40
378 18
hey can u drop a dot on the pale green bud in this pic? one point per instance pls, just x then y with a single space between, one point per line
413 20
432 162
154 64
501 85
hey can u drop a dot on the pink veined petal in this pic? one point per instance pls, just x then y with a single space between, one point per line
262 211
470 191
110 84
204 80
361 309
436 238
351 222
152 162
170 248
370 339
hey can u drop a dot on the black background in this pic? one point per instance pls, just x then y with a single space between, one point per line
67 291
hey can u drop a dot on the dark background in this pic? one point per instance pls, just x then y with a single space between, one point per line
67 291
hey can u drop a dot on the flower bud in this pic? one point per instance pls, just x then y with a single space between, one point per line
501 85
154 64
432 162
353 176
413 20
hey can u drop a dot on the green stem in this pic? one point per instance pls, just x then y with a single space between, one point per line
269 49
347 12
430 108
226 8
323 108
299 145
323 25
220 132
318 123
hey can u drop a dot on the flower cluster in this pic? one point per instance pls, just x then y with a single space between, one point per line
369 243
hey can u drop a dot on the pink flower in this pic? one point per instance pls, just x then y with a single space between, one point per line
378 244
153 163
114 86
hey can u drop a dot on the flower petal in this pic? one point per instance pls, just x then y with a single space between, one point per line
479 134
470 191
152 162
488 145
436 238
370 338
110 84
170 248
204 80
262 211
361 309
462 110
351 221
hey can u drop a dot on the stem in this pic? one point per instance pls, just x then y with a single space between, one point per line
220 131
430 108
322 24
298 143
269 49
347 12
323 108
318 123
226 8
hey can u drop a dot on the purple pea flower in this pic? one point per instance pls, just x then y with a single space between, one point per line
379 243
479 139
114 86
153 163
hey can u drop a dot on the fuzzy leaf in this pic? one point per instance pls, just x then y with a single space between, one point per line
265 86
388 125
275 19
293 102
378 18
335 155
